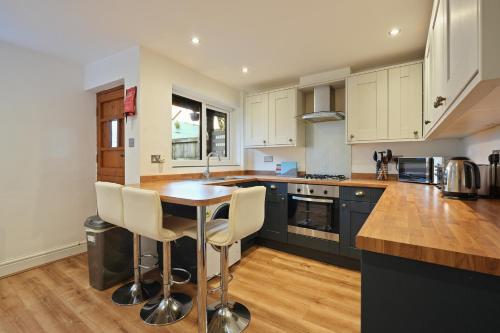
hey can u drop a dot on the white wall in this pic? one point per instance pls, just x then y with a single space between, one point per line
362 154
322 158
48 146
158 75
254 158
118 69
478 146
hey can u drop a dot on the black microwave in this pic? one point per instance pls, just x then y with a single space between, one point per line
416 169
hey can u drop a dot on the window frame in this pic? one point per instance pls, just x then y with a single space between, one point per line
218 107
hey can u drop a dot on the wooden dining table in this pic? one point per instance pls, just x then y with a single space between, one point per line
200 195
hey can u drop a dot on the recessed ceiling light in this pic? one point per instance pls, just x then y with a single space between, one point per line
244 70
394 32
195 40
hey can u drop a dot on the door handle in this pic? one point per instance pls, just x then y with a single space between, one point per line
312 199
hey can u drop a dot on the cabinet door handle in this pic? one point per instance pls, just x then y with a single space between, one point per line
351 136
415 132
359 193
290 140
264 141
439 101
344 205
427 122
273 187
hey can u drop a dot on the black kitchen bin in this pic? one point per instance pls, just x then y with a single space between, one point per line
110 253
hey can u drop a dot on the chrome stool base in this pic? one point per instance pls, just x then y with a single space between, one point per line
231 319
132 293
161 311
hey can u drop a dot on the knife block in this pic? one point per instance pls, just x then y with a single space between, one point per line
382 172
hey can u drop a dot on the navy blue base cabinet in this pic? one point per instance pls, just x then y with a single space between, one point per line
403 295
356 204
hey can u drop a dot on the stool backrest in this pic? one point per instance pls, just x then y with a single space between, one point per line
142 212
109 202
246 212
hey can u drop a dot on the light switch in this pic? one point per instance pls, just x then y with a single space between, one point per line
131 142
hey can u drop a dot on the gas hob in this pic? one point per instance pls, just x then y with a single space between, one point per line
325 176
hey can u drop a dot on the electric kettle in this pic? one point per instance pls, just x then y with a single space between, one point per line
461 179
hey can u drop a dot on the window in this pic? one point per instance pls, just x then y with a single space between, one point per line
114 133
186 128
191 118
217 132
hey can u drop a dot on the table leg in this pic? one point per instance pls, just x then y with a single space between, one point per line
201 252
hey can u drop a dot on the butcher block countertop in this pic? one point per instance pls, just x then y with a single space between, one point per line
190 193
412 221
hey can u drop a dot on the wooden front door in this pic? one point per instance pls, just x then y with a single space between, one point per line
110 136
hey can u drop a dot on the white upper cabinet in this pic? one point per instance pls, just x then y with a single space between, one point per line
271 119
405 102
256 124
282 117
462 70
462 22
385 105
367 107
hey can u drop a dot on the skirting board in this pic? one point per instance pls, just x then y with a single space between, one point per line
17 265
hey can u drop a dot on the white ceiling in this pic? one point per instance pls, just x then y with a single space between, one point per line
279 40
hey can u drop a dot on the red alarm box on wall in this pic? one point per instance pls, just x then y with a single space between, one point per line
129 108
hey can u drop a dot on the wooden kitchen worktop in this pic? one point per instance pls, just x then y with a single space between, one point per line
412 221
190 193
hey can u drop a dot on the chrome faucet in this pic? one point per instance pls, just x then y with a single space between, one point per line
206 173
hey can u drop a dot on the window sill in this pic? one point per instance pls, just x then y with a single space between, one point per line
204 165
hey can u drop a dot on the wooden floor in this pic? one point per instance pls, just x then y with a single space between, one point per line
284 293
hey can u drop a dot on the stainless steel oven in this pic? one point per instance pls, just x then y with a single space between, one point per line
313 210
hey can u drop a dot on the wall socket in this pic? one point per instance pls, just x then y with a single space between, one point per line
131 142
268 158
157 159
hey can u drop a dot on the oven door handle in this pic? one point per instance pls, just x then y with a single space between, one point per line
312 199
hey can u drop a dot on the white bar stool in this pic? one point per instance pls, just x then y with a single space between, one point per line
110 209
143 215
246 216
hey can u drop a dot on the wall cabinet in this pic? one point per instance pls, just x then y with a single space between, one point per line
256 124
405 102
462 90
367 106
271 119
385 104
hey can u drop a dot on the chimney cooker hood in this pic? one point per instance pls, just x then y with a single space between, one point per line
322 109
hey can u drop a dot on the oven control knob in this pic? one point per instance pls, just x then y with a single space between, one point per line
311 191
325 192
298 190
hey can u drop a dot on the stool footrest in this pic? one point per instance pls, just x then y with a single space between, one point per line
182 270
179 282
218 289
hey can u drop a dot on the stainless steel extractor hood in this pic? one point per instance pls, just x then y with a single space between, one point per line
322 108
